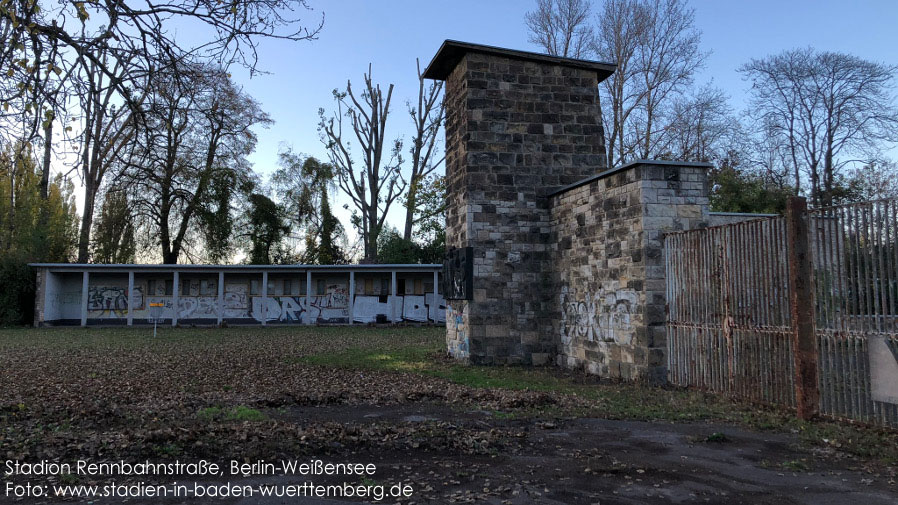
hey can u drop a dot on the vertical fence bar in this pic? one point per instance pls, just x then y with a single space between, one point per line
807 396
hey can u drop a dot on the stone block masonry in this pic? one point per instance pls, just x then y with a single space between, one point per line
518 125
567 254
606 241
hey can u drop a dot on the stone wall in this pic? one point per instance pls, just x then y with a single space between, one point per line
568 262
515 130
609 269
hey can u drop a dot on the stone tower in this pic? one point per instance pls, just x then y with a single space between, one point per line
519 125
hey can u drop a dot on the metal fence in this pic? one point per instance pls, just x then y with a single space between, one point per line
854 249
731 327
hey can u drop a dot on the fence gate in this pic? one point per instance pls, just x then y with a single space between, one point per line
731 326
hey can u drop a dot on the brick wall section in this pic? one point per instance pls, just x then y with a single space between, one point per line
609 285
515 130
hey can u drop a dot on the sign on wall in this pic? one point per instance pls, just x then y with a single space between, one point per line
458 274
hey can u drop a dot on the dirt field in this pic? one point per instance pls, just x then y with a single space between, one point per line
386 397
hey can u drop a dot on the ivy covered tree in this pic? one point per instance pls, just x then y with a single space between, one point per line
266 229
305 185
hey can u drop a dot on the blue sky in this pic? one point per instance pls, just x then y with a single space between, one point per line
390 34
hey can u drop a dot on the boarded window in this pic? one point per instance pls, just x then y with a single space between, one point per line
208 287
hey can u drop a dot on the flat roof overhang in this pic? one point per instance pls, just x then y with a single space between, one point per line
138 268
452 51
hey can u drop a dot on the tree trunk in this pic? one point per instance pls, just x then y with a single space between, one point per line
373 232
410 210
87 219
45 172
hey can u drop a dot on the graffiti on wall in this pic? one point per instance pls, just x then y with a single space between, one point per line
237 304
236 301
598 317
189 307
457 337
330 308
112 301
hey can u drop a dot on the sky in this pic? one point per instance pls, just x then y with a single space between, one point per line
391 34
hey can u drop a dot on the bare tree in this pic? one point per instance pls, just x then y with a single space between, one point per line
828 109
620 24
371 182
58 56
702 126
428 117
139 34
561 27
877 180
107 128
656 49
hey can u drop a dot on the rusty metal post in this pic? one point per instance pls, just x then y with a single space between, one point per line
801 292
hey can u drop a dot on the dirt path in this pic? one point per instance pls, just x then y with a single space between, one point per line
589 461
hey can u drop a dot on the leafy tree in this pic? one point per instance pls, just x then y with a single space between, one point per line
429 242
430 230
218 214
733 190
43 229
394 249
114 233
266 229
20 190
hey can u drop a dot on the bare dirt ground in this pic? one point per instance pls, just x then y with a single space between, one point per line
383 396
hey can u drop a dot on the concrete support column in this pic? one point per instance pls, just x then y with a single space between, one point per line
308 314
220 297
436 291
85 282
264 310
175 297
393 296
131 298
351 296
48 282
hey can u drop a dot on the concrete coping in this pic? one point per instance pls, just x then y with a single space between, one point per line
627 166
452 51
746 214
188 268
